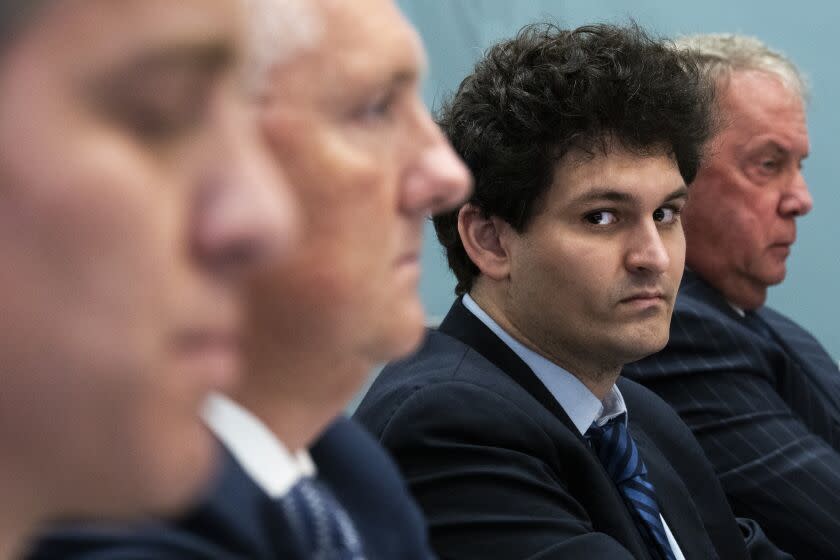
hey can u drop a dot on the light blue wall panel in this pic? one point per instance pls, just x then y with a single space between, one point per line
457 31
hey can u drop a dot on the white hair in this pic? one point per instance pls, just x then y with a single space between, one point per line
276 30
720 54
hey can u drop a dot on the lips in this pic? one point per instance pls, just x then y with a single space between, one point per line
211 354
648 295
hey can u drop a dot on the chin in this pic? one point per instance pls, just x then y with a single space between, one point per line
646 343
181 476
405 334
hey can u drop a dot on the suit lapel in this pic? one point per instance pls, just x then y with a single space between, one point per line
461 324
800 345
675 504
693 286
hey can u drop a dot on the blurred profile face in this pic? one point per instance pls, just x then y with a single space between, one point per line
593 277
345 120
740 222
133 193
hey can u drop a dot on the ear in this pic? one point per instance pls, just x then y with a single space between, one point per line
483 240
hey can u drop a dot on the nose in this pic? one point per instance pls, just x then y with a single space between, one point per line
438 180
796 200
647 251
246 216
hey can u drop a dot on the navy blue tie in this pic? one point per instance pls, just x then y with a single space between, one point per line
324 529
620 457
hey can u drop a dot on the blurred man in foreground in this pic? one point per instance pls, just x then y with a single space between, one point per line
761 394
341 112
133 195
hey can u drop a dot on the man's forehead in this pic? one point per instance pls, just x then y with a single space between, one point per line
372 36
619 175
761 107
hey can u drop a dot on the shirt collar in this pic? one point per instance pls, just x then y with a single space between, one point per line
737 309
580 404
264 457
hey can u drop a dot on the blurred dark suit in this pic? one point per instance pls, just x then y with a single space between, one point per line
238 520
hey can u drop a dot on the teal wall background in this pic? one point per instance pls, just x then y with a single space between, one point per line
456 32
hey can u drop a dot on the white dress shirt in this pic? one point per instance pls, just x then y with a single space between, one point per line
579 403
264 457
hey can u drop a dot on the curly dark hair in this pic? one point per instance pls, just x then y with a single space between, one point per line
534 98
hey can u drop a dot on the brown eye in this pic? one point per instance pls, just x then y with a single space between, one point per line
665 215
601 218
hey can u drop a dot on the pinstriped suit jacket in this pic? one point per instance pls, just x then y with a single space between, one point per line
764 402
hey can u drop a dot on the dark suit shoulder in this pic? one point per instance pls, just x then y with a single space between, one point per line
448 376
706 337
367 483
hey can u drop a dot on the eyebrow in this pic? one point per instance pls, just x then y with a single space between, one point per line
617 196
206 58
780 148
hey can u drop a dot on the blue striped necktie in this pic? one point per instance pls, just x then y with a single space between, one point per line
324 529
620 457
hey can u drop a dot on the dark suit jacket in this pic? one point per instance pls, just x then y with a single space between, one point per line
238 520
502 473
766 409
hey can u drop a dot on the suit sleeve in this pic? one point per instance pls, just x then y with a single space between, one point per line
489 490
772 467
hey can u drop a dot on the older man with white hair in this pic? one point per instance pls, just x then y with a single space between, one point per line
760 393
337 84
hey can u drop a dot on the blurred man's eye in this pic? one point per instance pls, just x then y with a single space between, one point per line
376 109
153 121
159 105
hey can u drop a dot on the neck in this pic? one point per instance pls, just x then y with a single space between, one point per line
298 397
598 377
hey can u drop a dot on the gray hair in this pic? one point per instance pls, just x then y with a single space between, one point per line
720 54
276 30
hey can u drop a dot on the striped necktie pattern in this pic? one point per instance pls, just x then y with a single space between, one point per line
621 459
322 525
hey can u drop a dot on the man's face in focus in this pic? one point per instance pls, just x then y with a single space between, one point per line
740 222
593 277
345 120
134 190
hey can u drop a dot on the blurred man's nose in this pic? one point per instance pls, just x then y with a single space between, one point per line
247 215
438 180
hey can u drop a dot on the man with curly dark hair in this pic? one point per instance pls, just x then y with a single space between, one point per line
511 424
